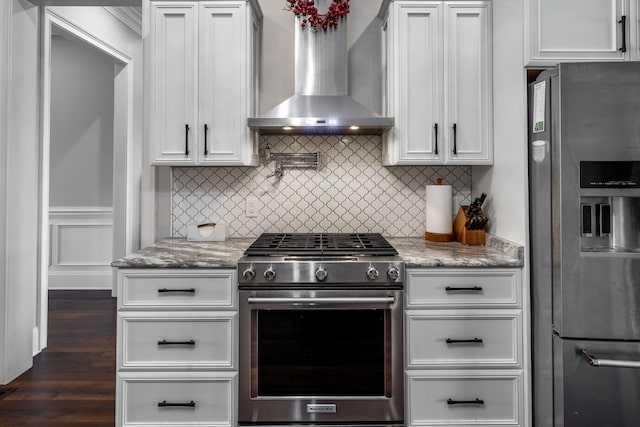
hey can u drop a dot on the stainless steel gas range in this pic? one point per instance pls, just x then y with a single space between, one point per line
321 331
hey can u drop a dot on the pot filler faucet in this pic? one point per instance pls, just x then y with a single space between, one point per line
292 160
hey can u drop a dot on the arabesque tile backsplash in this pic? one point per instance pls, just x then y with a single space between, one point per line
352 191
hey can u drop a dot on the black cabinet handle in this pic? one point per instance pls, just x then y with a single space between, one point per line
455 138
435 130
623 22
470 288
206 131
165 342
186 140
471 340
164 404
465 402
187 290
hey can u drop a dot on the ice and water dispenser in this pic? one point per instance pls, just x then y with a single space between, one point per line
610 206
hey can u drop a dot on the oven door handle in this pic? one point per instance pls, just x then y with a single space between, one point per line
317 300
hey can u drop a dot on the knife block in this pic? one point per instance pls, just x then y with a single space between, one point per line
464 236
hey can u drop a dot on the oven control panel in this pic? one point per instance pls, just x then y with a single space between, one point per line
266 272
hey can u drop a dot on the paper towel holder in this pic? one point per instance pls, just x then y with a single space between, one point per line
439 237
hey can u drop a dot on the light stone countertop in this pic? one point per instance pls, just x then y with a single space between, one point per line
415 251
180 253
418 253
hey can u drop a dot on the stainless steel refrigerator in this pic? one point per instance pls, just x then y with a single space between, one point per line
584 184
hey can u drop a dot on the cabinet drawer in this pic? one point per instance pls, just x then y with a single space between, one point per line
441 399
213 400
463 338
178 340
463 288
183 288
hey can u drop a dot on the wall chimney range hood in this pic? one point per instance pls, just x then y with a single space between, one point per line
320 104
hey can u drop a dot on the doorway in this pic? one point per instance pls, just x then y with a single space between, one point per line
80 164
86 206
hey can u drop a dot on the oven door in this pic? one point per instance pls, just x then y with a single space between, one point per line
321 356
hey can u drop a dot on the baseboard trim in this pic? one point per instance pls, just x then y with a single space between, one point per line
81 280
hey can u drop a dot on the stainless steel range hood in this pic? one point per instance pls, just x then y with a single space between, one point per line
320 104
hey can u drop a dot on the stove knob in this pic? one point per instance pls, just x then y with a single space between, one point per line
372 273
321 274
249 273
269 273
393 273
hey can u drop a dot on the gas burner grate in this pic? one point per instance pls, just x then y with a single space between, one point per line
372 244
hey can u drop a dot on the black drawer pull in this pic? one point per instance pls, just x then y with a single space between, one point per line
469 288
471 340
206 131
455 138
623 23
165 404
187 290
186 140
435 132
165 342
465 402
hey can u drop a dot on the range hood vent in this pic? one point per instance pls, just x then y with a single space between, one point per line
320 104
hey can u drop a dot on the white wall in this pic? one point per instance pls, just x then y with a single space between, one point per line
19 156
506 181
81 165
82 78
99 24
363 34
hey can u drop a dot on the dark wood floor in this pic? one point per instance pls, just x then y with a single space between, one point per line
72 382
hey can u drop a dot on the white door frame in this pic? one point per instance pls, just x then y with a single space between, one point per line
122 149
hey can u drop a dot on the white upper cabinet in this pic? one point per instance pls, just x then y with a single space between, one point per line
581 30
438 82
172 49
202 67
468 83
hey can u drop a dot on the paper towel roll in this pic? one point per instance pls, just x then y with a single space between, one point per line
439 209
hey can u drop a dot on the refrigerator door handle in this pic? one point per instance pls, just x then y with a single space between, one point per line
596 362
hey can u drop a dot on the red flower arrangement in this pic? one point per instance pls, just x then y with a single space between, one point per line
312 19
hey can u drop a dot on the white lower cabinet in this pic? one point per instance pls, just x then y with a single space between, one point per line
463 398
467 339
185 340
465 351
178 399
177 347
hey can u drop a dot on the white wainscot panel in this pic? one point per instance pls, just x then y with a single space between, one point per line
81 248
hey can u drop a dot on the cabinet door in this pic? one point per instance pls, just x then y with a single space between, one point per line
176 399
468 83
177 340
172 60
416 83
488 398
576 30
463 338
225 63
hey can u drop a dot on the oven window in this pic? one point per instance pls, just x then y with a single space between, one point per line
320 352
